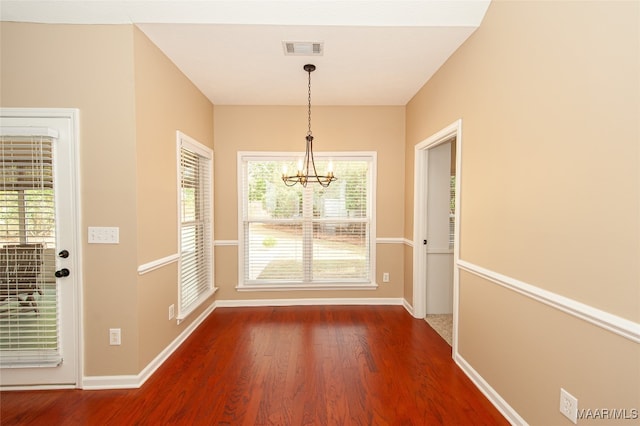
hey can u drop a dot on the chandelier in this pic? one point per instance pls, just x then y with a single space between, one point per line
307 168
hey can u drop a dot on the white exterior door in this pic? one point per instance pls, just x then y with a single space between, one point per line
40 272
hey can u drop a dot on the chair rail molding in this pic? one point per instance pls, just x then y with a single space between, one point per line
613 323
158 263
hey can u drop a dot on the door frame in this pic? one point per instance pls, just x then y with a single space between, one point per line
420 196
75 247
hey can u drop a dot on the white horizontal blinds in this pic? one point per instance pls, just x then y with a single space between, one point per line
273 244
341 218
195 230
29 323
305 235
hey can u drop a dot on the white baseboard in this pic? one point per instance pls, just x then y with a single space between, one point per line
408 307
135 381
35 387
111 382
501 405
309 302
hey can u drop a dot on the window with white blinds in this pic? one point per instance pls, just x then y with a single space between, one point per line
306 237
29 314
196 224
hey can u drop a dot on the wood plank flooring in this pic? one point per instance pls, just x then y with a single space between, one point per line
331 365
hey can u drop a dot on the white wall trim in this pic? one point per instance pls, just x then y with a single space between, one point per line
225 243
380 240
408 307
135 381
501 405
307 287
386 240
111 382
158 263
613 323
309 302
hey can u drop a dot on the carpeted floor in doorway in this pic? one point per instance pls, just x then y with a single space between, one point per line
442 324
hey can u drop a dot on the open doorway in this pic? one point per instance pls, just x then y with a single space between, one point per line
436 230
440 238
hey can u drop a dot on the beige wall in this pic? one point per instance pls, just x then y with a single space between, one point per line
131 101
90 68
549 97
283 128
166 101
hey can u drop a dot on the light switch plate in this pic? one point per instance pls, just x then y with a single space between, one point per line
104 235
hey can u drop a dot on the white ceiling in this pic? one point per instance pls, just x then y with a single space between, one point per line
375 52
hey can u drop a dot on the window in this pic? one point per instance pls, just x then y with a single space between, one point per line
196 224
29 321
313 237
26 213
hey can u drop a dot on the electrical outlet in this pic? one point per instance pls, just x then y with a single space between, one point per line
172 311
569 405
385 277
114 337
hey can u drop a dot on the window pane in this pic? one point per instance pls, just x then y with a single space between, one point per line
340 251
268 196
274 251
40 216
9 217
346 197
188 204
29 322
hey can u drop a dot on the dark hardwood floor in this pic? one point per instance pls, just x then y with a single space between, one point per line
332 365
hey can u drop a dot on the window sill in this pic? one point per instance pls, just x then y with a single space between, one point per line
204 297
291 287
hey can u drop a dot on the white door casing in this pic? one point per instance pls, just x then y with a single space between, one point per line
420 196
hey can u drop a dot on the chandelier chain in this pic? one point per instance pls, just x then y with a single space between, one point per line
309 105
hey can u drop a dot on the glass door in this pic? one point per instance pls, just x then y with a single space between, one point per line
37 253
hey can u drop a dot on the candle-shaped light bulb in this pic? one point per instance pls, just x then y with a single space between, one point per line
330 168
284 170
300 166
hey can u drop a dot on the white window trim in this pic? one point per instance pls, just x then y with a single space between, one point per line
371 156
183 140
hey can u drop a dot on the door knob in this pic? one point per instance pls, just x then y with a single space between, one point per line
63 254
64 272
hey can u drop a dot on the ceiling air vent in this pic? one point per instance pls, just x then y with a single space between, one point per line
303 48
